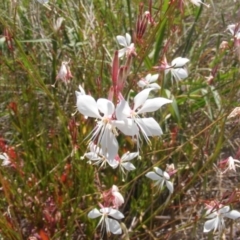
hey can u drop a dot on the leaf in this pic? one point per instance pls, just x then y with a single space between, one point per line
159 41
174 104
36 40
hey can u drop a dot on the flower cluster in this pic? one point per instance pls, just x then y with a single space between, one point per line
115 115
112 199
216 214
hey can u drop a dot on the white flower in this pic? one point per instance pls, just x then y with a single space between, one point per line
79 93
64 72
99 157
124 163
149 81
231 164
118 199
113 197
129 48
112 225
58 23
160 177
234 29
130 120
217 215
5 158
104 131
177 68
199 2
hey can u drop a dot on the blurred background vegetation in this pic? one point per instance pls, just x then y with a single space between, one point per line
48 190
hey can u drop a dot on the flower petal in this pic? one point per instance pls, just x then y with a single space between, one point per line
159 171
123 110
169 186
179 73
142 83
153 176
153 104
232 214
129 156
121 52
115 214
114 226
179 62
154 85
109 143
128 39
210 224
127 127
128 166
141 97
149 127
105 106
122 41
113 163
94 213
4 156
87 106
224 210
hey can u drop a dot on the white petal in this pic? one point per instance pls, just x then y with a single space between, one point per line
109 143
153 176
128 39
113 163
105 106
94 213
87 106
153 78
179 62
81 89
114 226
149 127
210 224
129 156
128 166
154 85
232 214
123 110
122 40
179 73
4 156
224 210
121 52
148 77
153 104
166 175
141 97
231 28
77 93
127 127
115 214
169 186
210 214
118 199
92 156
115 188
159 171
142 84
